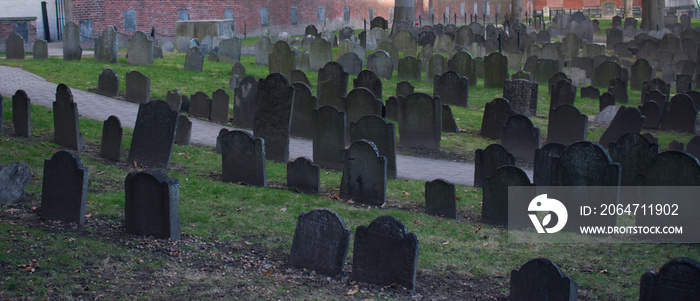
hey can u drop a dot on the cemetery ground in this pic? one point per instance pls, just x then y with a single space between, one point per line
236 238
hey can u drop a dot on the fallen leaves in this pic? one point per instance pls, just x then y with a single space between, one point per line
30 267
353 290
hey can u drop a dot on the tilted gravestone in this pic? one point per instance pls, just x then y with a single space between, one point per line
541 279
409 68
449 124
364 174
633 152
230 50
382 134
627 120
183 134
151 207
543 163
281 59
194 60
381 64
154 135
420 121
494 208
452 89
369 80
676 280
263 48
111 146
243 158
244 102
21 114
303 112
495 70
14 177
140 49
200 105
351 63
522 95
385 253
680 115
14 47
618 88
138 87
440 198
40 51
108 83
486 161
64 188
329 137
496 113
71 42
319 53
652 113
563 93
273 115
219 106
332 85
65 120
303 175
320 243
521 138
566 125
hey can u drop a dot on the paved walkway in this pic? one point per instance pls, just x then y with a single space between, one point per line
99 107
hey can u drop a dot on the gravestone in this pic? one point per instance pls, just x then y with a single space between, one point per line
21 114
606 99
521 138
541 279
154 135
577 76
554 79
440 198
655 84
320 242
71 42
420 121
520 75
351 63
566 125
332 85
604 73
627 120
404 88
641 72
563 93
486 161
680 115
238 72
652 113
303 175
14 177
634 153
243 158
494 208
495 70
310 30
683 83
522 95
194 61
138 87
543 162
449 124
545 69
40 51
391 108
64 188
244 102
263 48
303 112
14 47
392 51
463 63
174 99
319 53
404 41
299 76
329 137
230 50
409 68
675 145
676 280
219 106
695 95
108 83
206 46
618 88
381 64
106 46
200 105
496 113
65 120
364 174
452 89
613 36
273 115
281 59
369 80
671 168
385 253
382 134
590 92
437 64
151 207
140 50
183 133
583 63
361 102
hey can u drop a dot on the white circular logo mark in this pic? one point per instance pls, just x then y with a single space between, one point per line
542 203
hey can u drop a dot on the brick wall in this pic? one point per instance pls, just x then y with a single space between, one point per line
7 27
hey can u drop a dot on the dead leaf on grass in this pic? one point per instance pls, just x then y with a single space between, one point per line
353 291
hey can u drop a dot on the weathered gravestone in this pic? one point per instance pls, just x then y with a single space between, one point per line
351 63
21 114
332 85
680 114
194 60
64 188
409 68
106 47
183 134
436 65
71 42
676 280
618 88
543 163
627 120
486 161
329 137
381 64
606 99
385 253
655 84
563 93
140 49
566 125
243 158
364 174
683 83
494 208
40 51
108 83
200 105
111 146
138 87
545 69
671 168
449 124
369 80
452 89
590 92
693 146
263 48
320 242
382 134
273 115
440 198
281 59
14 47
244 102
219 106
604 73
65 120
676 145
420 121
577 76
154 135
303 175
13 178
641 71
496 114
238 72
299 76
541 279
555 78
652 113
522 95
634 153
520 137
495 70
404 88
520 75
303 112
174 99
695 95
230 50
319 53
151 207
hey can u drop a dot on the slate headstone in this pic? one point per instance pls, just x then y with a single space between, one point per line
675 280
351 63
404 88
440 198
108 83
303 112
543 163
243 158
320 242
563 93
618 88
680 115
174 99
138 87
566 125
111 146
319 53
65 120
14 47
106 46
273 115
522 95
633 152
652 112
14 177
494 208
263 48
151 207
364 174
452 89
496 113
495 70
382 134
140 49
381 64
21 114
541 279
71 42
281 59
521 138
590 92
332 85
409 68
219 106
154 135
230 50
183 134
303 175
486 161
40 50
64 188
627 120
329 137
244 103
369 80
420 121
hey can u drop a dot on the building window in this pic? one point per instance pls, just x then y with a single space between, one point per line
183 14
294 17
228 14
130 20
346 14
321 14
264 17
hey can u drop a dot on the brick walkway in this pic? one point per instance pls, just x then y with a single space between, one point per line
98 107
